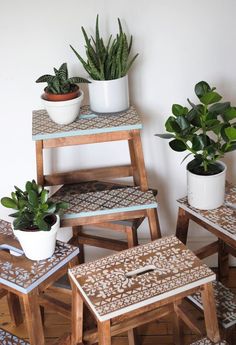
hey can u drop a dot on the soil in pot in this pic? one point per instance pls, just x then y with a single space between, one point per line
61 97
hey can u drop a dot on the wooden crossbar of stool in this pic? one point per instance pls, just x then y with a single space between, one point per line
225 306
11 339
127 289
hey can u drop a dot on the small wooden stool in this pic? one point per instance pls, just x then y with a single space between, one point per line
28 280
225 306
7 338
206 341
137 286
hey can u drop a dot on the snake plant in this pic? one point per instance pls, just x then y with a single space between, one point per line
106 61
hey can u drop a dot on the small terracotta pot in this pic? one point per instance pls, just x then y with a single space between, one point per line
61 96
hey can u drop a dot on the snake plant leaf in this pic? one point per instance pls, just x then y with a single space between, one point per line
210 97
177 145
201 89
78 80
9 203
63 71
47 78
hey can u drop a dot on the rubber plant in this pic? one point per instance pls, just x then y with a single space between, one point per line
34 211
206 129
107 61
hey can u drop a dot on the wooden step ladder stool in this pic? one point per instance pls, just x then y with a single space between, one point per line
137 286
91 128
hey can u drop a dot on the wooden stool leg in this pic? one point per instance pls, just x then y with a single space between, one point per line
154 226
132 238
33 318
178 333
182 226
209 306
77 316
223 263
14 308
75 241
104 333
133 337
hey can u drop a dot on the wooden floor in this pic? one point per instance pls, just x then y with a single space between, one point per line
159 332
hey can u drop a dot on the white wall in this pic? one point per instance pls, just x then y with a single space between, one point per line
180 43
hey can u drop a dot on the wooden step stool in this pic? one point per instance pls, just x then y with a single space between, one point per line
225 306
137 286
100 203
206 341
7 338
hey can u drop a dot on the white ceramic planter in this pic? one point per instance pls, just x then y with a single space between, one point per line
38 245
206 192
64 112
109 96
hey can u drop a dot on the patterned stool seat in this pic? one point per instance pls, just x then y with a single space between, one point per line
95 198
137 286
7 338
206 341
225 304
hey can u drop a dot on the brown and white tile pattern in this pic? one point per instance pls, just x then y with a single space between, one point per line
225 304
222 218
207 341
7 338
115 285
87 123
97 198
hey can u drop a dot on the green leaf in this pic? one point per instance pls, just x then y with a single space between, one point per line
9 203
177 145
165 136
231 133
47 78
77 80
202 88
179 110
182 122
230 114
200 142
210 97
33 198
172 126
219 108
28 186
44 196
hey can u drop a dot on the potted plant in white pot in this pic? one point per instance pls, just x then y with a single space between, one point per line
207 130
108 65
62 97
36 220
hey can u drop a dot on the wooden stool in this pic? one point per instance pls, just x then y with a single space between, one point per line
137 286
29 279
7 338
92 203
206 341
225 306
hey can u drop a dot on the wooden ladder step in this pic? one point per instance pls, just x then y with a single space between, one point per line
207 341
225 304
11 339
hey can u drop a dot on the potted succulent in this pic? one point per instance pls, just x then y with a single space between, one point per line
62 97
107 66
208 131
36 220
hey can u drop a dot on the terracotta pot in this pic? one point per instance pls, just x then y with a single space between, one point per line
61 97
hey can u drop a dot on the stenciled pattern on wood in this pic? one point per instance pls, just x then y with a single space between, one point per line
23 272
109 289
225 304
207 341
7 338
5 228
97 196
43 125
224 216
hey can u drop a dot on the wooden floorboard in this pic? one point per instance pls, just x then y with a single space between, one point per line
159 332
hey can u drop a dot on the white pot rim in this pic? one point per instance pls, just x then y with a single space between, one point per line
65 103
210 176
106 81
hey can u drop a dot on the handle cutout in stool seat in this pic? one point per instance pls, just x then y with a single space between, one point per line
12 250
140 271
